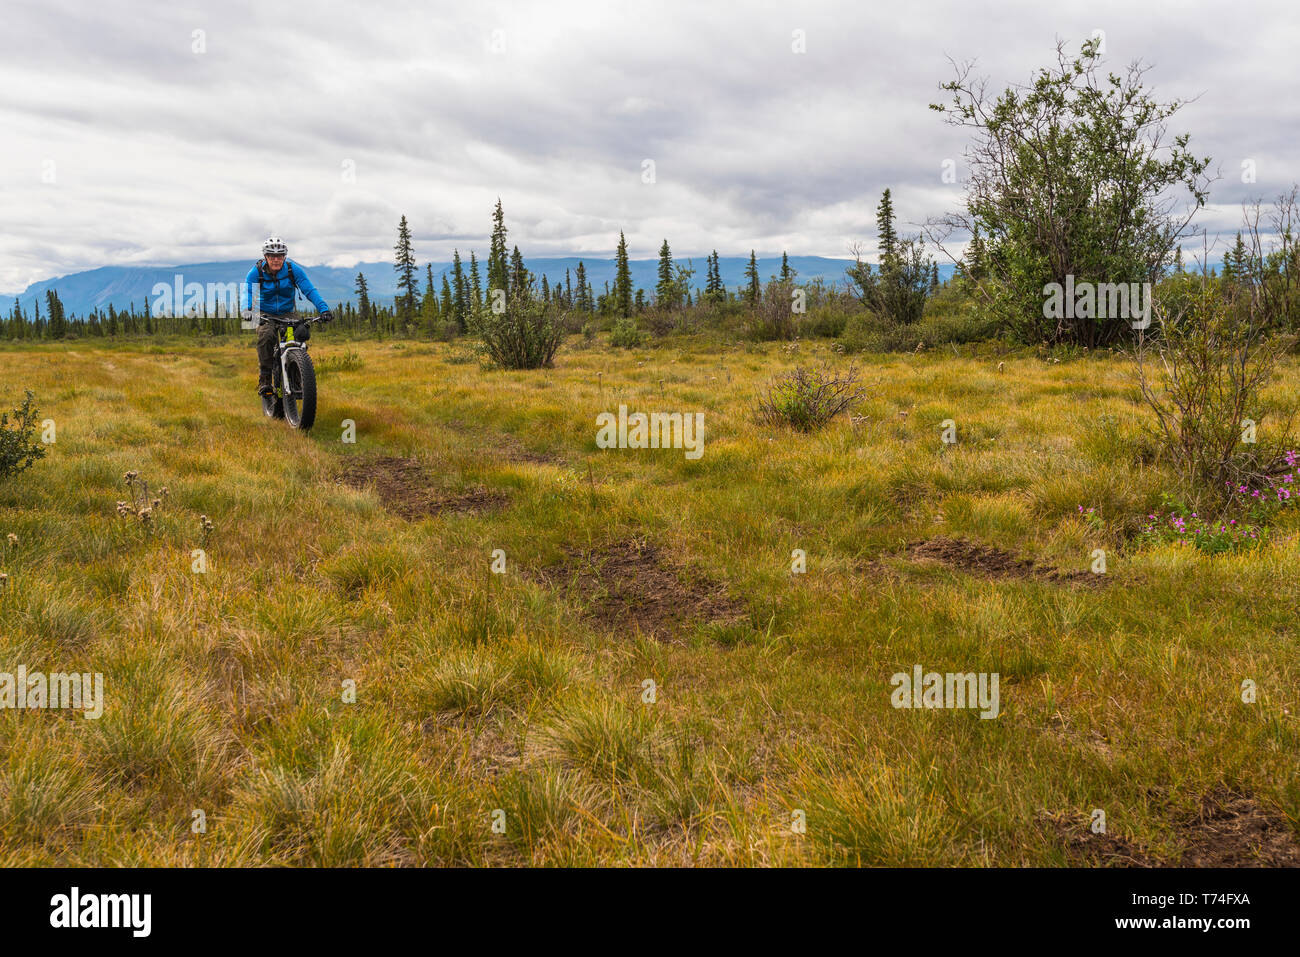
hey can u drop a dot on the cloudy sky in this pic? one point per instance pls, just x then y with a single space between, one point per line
172 133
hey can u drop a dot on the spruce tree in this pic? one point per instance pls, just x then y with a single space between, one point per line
713 277
429 304
754 289
584 299
886 236
405 266
521 281
622 279
363 300
58 328
446 297
459 292
498 270
786 275
475 284
664 288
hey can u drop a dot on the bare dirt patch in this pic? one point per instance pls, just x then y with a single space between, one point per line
1232 830
406 488
1073 829
1229 830
991 562
630 585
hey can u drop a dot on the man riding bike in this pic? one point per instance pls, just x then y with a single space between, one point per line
276 277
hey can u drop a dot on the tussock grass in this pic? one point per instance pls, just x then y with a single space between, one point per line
477 691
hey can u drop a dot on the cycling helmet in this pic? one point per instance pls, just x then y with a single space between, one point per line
274 245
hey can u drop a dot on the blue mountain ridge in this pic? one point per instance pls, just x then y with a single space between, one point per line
121 285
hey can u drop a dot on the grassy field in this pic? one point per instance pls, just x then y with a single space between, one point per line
505 718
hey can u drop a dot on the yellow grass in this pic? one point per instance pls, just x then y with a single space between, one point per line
477 692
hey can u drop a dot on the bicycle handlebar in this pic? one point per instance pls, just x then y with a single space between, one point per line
280 320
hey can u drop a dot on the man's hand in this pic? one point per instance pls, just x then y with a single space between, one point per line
247 315
326 316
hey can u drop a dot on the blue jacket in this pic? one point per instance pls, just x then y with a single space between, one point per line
277 291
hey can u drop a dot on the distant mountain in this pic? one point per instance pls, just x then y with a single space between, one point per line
122 285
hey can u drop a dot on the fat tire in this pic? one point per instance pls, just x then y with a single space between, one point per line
301 414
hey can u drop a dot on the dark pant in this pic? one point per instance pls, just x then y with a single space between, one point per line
267 337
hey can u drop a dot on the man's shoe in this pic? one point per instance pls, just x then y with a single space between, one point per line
266 391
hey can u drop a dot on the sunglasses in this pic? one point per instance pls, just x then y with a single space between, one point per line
275 255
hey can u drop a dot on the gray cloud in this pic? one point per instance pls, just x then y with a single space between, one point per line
165 155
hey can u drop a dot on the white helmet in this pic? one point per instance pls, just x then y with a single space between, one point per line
274 245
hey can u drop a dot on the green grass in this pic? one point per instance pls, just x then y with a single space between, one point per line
478 692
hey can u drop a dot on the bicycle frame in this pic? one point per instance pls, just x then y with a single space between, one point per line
282 351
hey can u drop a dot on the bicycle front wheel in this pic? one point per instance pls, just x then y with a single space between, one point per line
300 390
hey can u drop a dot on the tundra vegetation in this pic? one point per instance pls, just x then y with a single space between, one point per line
447 626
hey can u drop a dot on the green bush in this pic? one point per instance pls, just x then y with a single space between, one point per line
18 447
825 321
866 332
625 334
525 336
807 399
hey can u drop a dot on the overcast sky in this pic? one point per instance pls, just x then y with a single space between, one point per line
130 139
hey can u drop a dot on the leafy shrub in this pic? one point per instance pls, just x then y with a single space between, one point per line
625 334
446 331
525 336
1215 361
18 447
806 399
773 316
827 322
866 332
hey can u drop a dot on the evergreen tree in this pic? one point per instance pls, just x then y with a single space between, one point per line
459 292
713 277
1234 264
786 274
521 281
754 289
58 328
568 291
429 304
363 298
405 266
886 236
622 279
664 288
584 296
475 284
446 309
498 274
